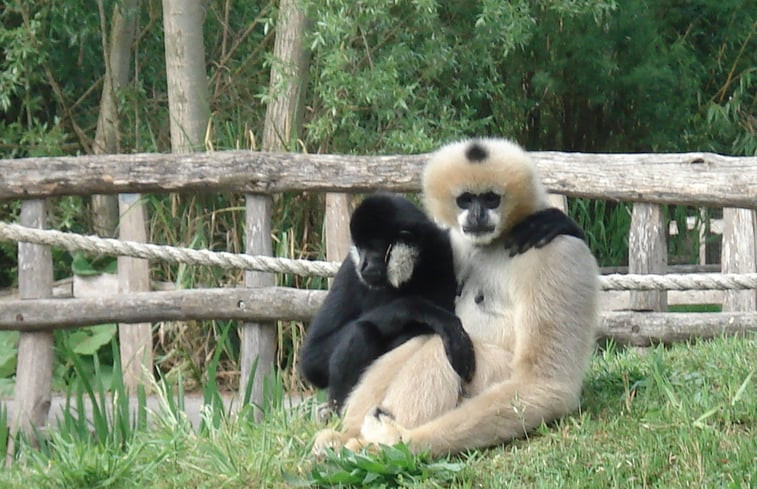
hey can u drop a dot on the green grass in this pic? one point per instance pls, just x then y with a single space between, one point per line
680 416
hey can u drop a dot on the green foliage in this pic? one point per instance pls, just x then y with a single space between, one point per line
8 350
4 429
678 416
733 119
606 226
390 466
89 340
85 266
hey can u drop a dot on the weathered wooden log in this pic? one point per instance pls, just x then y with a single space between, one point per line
700 179
135 340
246 304
34 371
739 255
647 328
257 351
648 253
272 303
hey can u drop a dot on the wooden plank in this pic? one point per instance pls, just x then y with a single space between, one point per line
701 179
269 303
739 255
559 201
61 288
34 368
135 341
644 329
620 300
337 227
647 253
709 268
258 339
265 303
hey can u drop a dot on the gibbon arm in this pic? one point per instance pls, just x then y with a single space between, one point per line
539 229
341 306
392 319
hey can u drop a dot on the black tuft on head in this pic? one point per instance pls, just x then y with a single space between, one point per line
476 153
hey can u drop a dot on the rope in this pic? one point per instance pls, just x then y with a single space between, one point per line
170 254
308 268
680 281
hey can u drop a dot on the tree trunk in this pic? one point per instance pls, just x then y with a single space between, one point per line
283 123
185 73
285 110
117 62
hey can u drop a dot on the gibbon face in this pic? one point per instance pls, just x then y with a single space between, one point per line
481 187
384 248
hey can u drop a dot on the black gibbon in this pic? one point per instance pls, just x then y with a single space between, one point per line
532 317
397 283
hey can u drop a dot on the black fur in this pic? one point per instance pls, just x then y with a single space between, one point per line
357 323
476 153
539 229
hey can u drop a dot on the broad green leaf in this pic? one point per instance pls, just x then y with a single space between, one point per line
89 340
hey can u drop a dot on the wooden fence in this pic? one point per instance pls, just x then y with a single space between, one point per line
648 180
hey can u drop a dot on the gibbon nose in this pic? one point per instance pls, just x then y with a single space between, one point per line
476 220
373 274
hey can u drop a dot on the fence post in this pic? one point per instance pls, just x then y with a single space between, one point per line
258 340
739 255
648 253
135 340
34 369
337 226
559 201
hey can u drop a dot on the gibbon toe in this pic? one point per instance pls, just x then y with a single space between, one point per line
379 427
326 439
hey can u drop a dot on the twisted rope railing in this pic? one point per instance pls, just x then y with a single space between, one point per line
226 260
170 254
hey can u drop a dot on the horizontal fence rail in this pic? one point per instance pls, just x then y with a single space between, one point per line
700 179
285 303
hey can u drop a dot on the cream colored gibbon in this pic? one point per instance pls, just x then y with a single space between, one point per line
532 317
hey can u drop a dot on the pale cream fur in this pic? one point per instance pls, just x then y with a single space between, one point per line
533 332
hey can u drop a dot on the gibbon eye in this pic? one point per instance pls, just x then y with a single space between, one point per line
465 200
405 236
491 200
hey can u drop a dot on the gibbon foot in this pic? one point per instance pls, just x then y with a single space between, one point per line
358 444
379 427
325 411
326 439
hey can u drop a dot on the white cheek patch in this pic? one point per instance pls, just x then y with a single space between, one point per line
493 216
462 216
355 256
401 263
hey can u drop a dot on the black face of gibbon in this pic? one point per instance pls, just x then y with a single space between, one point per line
477 209
389 234
397 283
